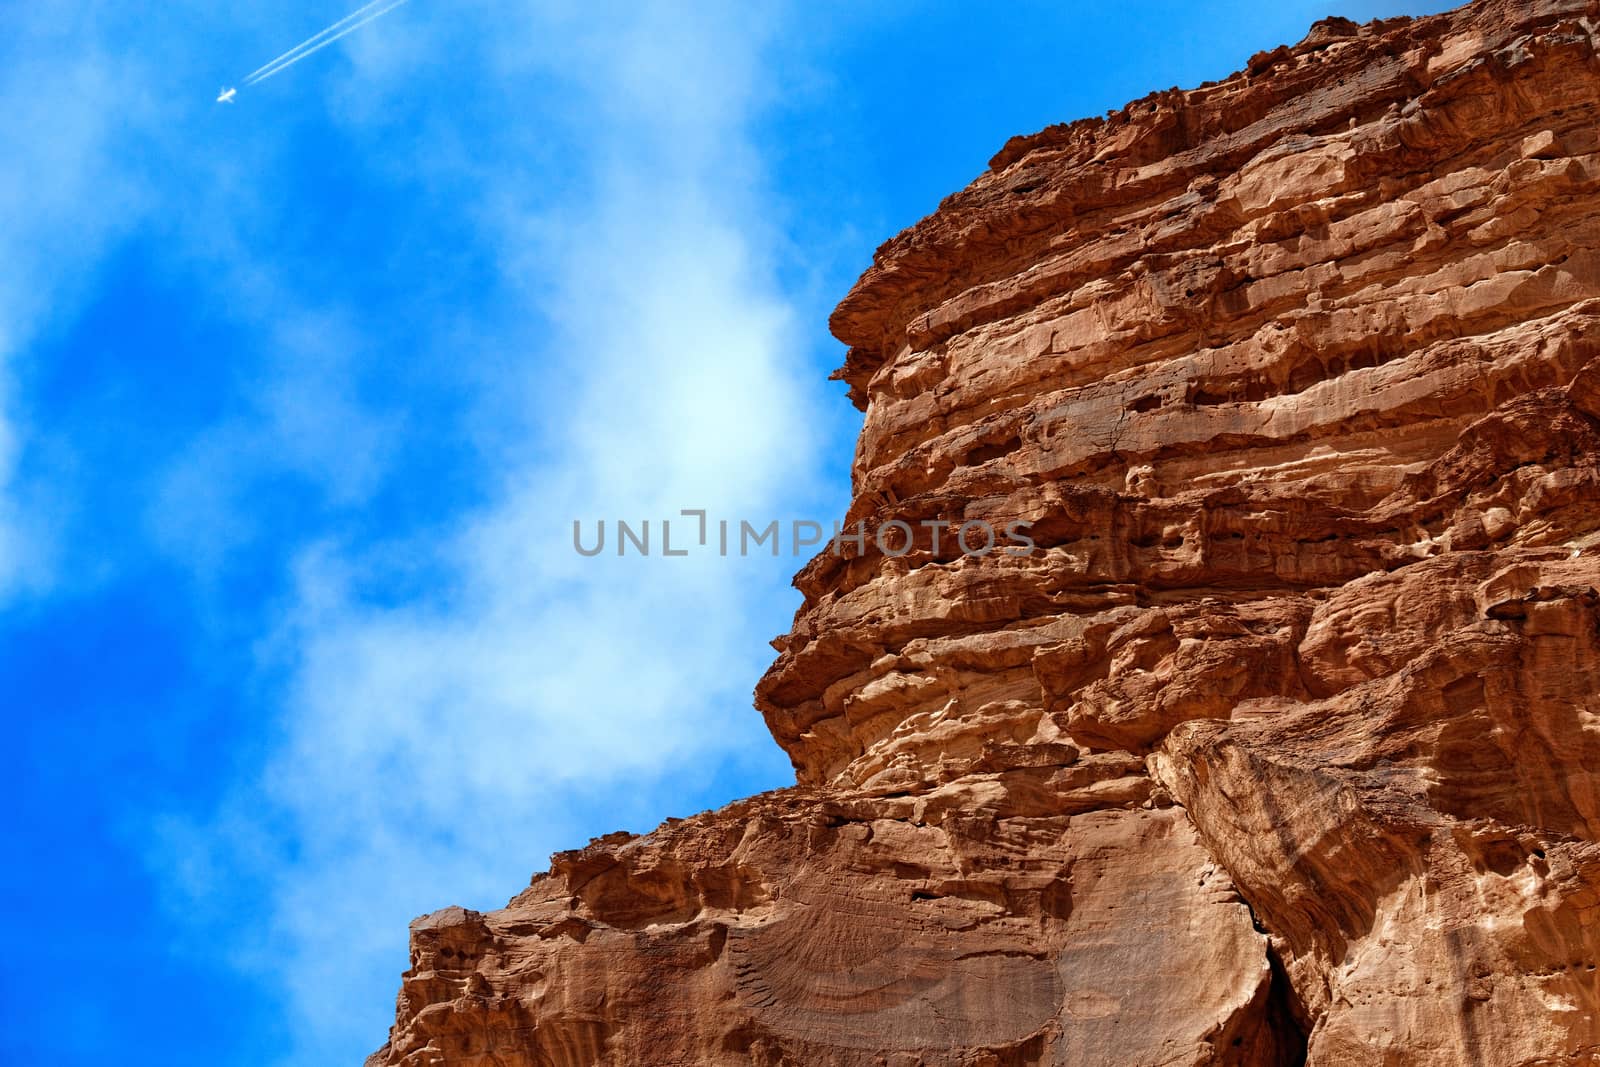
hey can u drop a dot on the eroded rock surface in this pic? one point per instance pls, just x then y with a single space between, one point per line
819 928
1283 745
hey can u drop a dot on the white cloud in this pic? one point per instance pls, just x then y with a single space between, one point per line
299 416
64 201
435 747
462 698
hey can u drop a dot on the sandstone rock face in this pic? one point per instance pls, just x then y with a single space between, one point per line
1283 745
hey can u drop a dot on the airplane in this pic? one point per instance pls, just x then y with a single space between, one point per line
226 96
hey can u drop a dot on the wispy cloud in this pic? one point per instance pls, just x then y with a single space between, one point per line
298 415
437 741
580 316
64 201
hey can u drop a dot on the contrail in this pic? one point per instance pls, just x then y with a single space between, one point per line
303 45
315 43
349 24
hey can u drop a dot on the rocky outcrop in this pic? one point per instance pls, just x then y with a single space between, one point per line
828 928
1282 744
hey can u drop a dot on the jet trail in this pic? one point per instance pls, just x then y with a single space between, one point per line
315 43
312 40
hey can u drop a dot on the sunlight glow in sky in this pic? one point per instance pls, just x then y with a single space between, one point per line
299 397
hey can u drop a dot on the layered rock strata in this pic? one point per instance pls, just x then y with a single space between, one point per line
1283 745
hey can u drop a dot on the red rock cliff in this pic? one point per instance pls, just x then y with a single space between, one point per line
1283 745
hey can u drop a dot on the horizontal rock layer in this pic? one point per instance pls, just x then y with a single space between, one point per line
1282 745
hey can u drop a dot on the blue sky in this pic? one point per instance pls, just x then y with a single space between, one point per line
299 398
